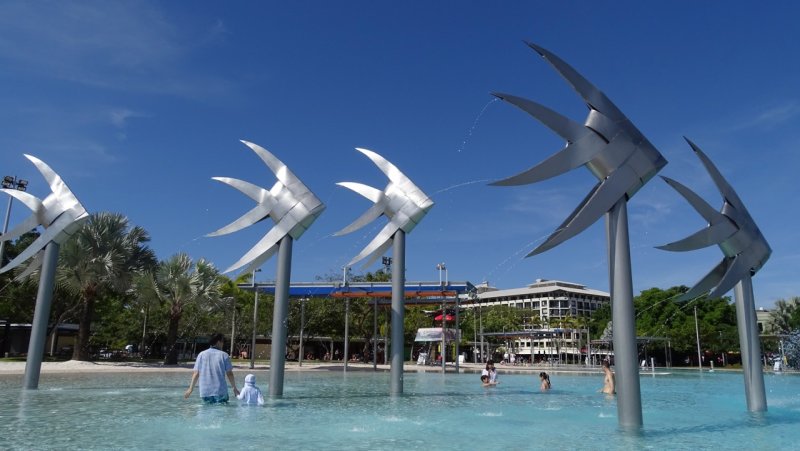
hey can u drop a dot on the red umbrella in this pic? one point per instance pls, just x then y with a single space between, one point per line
448 317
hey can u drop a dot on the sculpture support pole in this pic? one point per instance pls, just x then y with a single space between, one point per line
750 345
629 399
302 330
398 310
44 298
277 360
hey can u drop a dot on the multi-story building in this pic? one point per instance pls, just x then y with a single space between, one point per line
552 307
763 320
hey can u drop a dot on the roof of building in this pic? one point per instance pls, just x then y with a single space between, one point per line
543 286
427 290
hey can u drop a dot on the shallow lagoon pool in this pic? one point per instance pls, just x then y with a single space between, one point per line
333 410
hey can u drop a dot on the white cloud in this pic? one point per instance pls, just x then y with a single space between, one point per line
770 117
120 116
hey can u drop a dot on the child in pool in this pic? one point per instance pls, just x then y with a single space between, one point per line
251 394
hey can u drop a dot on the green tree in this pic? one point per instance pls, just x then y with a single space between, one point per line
500 318
181 287
18 297
98 261
117 322
660 316
784 317
236 308
599 320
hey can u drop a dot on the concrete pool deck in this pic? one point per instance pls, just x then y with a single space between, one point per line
243 366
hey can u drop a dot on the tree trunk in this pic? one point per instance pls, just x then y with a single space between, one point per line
81 350
172 337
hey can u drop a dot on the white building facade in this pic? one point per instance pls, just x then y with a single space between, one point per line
556 315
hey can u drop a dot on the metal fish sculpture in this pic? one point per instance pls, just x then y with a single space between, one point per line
290 204
60 214
402 202
732 228
608 144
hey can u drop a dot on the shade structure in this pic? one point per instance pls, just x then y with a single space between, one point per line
435 334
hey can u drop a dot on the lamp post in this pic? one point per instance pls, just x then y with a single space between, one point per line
442 267
697 335
233 321
346 353
302 327
255 323
505 344
10 182
472 297
480 325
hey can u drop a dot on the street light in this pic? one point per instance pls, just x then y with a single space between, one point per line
472 298
480 325
255 323
697 335
10 182
441 267
233 321
302 326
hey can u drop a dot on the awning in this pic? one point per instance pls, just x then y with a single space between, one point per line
435 334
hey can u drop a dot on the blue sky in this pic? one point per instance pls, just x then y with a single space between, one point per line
137 104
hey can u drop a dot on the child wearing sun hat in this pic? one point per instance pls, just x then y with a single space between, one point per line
251 394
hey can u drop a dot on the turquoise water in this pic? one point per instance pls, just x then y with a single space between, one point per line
332 410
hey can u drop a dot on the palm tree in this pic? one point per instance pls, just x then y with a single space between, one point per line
781 317
569 322
101 258
179 283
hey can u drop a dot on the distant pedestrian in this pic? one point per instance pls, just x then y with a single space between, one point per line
210 368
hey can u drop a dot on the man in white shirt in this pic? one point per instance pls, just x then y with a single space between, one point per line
211 368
